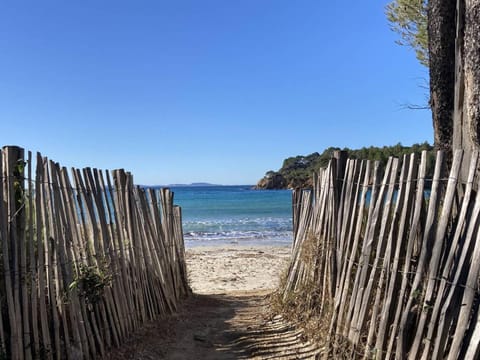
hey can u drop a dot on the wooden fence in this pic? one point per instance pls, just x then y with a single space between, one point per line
390 259
85 260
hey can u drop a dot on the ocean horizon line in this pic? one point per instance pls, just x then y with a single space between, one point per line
194 184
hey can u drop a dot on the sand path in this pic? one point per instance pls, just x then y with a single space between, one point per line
227 317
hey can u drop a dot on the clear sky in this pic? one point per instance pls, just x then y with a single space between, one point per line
218 91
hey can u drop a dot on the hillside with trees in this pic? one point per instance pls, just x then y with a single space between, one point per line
297 171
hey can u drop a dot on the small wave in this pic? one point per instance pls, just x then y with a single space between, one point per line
238 235
242 225
245 230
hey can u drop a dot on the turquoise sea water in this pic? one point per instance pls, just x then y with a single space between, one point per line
221 215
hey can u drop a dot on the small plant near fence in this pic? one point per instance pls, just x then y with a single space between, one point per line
91 282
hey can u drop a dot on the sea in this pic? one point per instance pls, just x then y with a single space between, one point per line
223 215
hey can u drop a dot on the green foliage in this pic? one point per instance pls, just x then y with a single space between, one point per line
408 18
91 282
18 173
298 170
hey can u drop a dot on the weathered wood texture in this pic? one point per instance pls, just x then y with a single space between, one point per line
393 260
83 262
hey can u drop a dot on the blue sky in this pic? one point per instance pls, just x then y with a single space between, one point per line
214 90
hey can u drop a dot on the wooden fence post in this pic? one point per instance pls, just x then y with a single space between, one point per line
13 196
296 199
341 157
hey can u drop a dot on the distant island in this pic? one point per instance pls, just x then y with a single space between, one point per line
194 184
297 171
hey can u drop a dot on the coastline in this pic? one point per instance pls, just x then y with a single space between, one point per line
235 268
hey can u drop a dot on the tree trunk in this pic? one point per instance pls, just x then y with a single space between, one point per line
471 114
454 46
466 119
459 134
441 46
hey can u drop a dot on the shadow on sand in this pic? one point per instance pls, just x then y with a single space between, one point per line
220 326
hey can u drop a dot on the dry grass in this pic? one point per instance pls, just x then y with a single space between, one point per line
300 306
303 308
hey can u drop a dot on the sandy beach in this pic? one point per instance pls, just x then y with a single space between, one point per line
228 316
232 268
